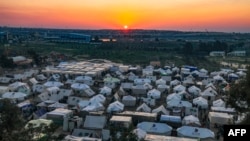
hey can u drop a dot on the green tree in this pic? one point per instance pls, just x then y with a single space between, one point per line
239 95
12 125
10 120
5 62
35 57
187 48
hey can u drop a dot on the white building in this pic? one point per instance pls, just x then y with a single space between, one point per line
237 53
217 53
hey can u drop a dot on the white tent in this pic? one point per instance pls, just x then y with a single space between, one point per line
188 82
141 134
115 107
82 79
223 109
233 76
148 86
94 107
194 90
179 88
38 88
184 94
175 82
201 102
220 118
88 92
160 82
161 109
218 78
52 90
58 105
203 71
194 132
41 77
14 95
155 94
156 128
176 69
16 85
178 103
173 96
53 84
241 74
219 103
82 104
121 91
129 100
143 108
148 100
33 81
191 120
97 99
162 88
210 85
170 118
209 92
79 86
105 91
20 77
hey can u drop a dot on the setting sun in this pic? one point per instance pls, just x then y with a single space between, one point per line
125 27
212 15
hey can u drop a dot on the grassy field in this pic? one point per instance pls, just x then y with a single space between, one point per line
133 55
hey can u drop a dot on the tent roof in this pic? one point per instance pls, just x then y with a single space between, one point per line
154 127
195 132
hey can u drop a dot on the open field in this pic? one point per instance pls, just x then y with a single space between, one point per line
134 53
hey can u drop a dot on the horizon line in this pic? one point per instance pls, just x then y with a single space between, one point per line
55 28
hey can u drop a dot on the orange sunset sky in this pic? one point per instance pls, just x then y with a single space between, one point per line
187 15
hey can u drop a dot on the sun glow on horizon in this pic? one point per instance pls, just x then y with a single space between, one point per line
212 15
125 27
